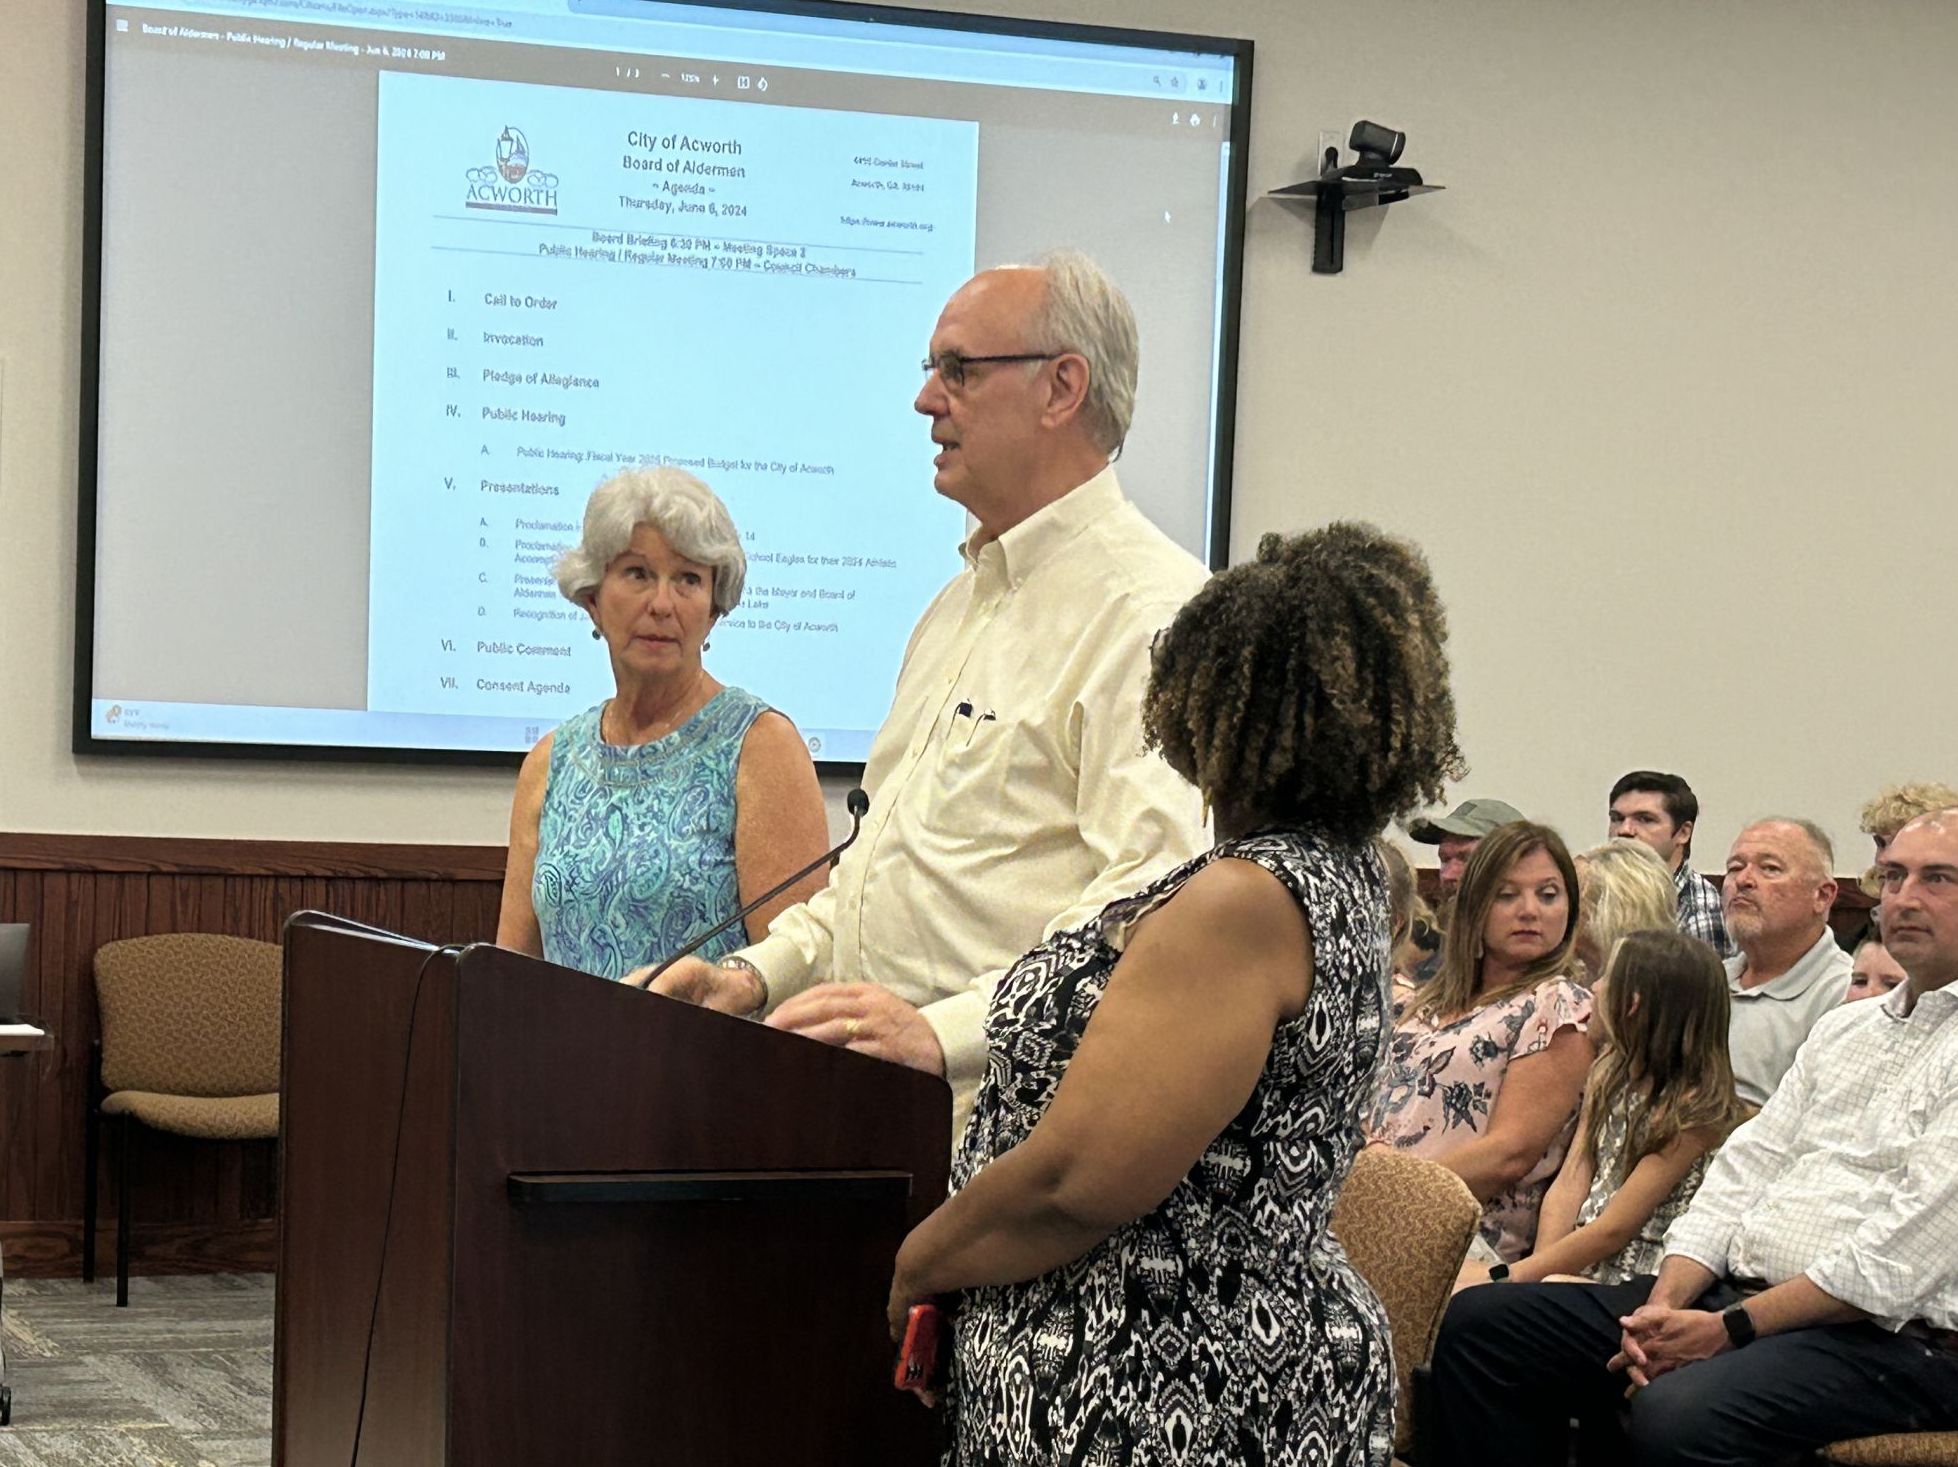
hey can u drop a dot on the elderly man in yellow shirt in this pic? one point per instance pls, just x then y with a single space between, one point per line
1010 793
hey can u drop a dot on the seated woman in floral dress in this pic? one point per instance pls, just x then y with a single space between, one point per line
1488 1061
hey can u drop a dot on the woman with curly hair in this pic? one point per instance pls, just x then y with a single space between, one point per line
1138 1242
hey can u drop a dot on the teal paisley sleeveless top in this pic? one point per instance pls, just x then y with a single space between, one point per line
635 846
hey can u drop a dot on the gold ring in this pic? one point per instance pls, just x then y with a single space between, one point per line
852 1028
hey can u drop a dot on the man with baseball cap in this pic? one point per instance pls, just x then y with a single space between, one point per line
1458 833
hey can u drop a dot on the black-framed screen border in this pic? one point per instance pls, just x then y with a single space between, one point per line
1240 51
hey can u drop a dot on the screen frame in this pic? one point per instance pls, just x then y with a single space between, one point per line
1239 49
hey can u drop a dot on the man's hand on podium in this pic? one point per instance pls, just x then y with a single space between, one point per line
697 981
864 1017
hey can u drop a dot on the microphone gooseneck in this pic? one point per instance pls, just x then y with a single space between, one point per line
857 803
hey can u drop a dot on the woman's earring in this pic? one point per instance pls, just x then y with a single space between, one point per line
705 645
597 635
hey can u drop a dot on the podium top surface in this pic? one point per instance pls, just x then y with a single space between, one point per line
24 1037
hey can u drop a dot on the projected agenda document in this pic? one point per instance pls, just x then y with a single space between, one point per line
568 282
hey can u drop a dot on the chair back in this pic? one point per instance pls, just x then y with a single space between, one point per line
189 1013
1901 1449
1406 1225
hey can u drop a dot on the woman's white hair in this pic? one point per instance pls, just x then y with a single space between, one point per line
1084 311
688 515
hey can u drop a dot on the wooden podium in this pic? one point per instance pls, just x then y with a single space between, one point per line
530 1216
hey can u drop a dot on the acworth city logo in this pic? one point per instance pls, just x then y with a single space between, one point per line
511 185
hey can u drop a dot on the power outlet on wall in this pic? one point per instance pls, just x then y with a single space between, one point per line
1329 137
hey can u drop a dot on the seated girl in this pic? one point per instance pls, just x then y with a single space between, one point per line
1658 1104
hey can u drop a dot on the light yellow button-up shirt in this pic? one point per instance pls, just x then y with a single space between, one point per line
1010 794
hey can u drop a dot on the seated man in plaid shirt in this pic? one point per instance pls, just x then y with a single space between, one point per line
1809 1295
1661 810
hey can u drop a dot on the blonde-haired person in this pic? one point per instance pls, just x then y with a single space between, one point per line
1658 1103
1891 809
1623 887
1487 1062
1405 910
642 822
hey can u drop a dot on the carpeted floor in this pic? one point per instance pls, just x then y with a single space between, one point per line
181 1378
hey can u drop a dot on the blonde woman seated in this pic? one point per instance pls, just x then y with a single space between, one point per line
1487 1063
1405 911
1624 886
1659 1102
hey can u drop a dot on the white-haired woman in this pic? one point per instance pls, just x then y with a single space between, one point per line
642 822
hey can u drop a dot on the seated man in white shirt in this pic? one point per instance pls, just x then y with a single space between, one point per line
1010 794
1789 971
1810 1294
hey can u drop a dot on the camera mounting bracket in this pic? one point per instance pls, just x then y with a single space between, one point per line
1370 183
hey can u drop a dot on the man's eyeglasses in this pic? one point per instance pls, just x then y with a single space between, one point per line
951 367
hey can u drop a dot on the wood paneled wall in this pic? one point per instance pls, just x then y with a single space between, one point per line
197 1205
207 1205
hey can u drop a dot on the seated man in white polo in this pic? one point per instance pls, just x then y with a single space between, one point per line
1790 970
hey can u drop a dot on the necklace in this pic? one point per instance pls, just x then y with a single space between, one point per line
660 727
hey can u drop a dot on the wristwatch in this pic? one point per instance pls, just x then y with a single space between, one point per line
761 981
1740 1324
1498 1273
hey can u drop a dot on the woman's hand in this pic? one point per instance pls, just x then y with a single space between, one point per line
897 1310
905 1289
906 1292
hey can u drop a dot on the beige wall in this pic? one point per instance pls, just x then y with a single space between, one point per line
1663 382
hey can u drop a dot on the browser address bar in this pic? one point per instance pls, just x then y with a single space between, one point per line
376 12
890 34
876 49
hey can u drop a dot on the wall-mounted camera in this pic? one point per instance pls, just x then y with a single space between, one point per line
1375 178
1376 144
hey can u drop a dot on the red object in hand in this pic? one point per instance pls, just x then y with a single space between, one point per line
917 1361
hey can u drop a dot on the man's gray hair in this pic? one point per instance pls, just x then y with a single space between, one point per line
687 514
1818 838
1084 311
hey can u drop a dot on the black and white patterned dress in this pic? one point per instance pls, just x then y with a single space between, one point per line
1226 1326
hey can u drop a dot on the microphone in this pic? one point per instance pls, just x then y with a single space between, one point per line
858 804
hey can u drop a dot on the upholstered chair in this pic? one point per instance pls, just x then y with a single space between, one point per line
190 1045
